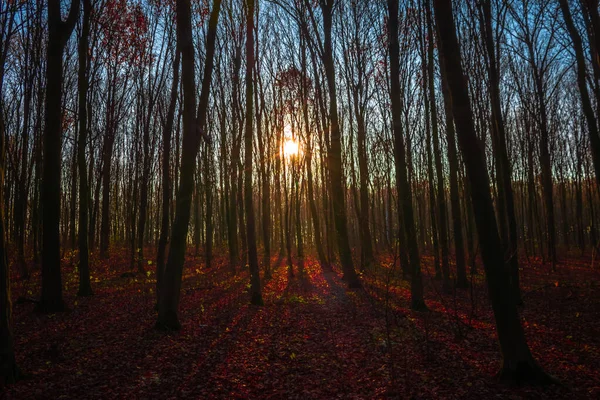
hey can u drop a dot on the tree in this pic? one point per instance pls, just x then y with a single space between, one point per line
355 57
305 86
461 270
85 288
255 291
193 129
540 53
9 372
441 187
506 203
405 209
518 364
166 176
335 153
59 32
586 103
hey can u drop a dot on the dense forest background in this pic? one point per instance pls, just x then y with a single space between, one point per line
435 140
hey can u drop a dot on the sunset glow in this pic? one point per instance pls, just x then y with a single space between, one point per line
291 148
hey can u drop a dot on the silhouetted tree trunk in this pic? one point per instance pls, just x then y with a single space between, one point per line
264 171
9 372
461 269
166 176
503 169
193 125
287 217
232 227
58 35
255 290
144 186
208 242
308 161
335 154
432 195
592 19
405 209
85 288
518 363
33 51
441 188
107 151
586 103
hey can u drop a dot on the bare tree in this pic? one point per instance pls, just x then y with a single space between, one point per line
193 129
518 363
59 32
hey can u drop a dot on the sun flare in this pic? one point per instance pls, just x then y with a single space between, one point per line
291 148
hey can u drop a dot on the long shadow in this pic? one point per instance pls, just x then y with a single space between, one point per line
133 346
207 359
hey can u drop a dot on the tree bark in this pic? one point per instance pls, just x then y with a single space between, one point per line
586 103
461 269
58 35
405 208
255 289
166 177
518 363
335 155
85 288
9 372
193 125
441 188
507 213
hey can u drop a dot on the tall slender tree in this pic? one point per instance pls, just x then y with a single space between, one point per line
59 32
506 204
335 153
586 103
518 364
166 175
9 372
85 288
405 209
193 130
255 290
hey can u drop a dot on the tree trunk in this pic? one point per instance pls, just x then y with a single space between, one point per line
461 270
232 228
405 208
518 363
109 140
441 189
335 155
265 199
208 243
255 290
166 177
193 126
308 161
9 372
58 35
85 288
144 186
507 213
586 103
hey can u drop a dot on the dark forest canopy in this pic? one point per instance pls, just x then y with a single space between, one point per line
435 140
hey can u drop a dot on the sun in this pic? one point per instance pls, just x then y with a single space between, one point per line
291 148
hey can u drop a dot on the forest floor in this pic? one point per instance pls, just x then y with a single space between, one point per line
313 338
